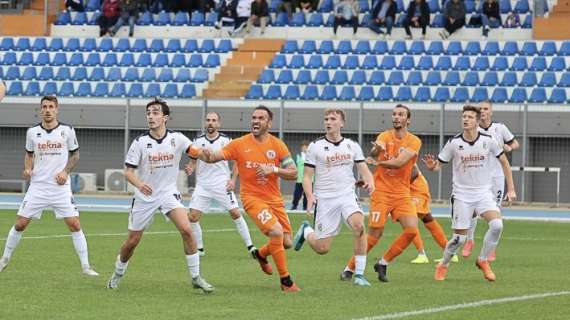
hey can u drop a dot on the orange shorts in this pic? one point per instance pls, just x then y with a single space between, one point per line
379 211
266 214
422 204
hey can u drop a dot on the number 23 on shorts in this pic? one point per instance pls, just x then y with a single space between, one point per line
264 216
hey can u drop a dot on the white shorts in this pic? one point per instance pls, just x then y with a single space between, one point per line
142 212
498 189
331 212
37 199
202 198
462 211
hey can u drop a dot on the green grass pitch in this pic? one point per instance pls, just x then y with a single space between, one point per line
43 280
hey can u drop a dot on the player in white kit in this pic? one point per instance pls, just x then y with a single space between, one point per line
472 154
330 160
156 155
52 152
214 182
506 140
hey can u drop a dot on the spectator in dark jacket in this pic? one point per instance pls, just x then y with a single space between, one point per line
491 16
346 12
109 16
259 15
417 16
129 14
75 5
453 17
383 14
227 12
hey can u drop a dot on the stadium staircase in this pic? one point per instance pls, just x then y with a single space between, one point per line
243 68
556 25
30 22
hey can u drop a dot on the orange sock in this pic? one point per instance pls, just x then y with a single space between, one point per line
371 242
418 242
264 250
279 257
437 233
401 243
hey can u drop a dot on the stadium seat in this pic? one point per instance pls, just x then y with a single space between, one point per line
538 64
40 44
9 59
558 95
422 94
398 47
564 49
366 94
279 61
395 78
165 75
128 59
32 89
29 74
518 95
333 62
347 93
339 77
298 19
528 79
311 93
153 90
190 46
479 94
358 77
388 63
417 48
46 74
315 61
500 64
473 48
509 79
490 79
441 94
309 46
462 63
197 18
144 60
110 60
49 89
26 59
548 79
414 78
170 90
443 63
369 62
83 90
163 19
201 75
195 60
281 20
113 75
63 74
79 74
351 62
290 46
118 90
183 75
321 77
286 76
224 45
522 7
471 79
188 91
63 18
406 63
255 92
132 74
93 59
56 44
548 49
66 90
15 88
326 47
529 48
148 75
13 73
160 60
344 47
156 45
173 45
433 6
433 78
362 47
97 74
380 47
460 95
315 20
454 48
105 45
519 64
211 20
491 49
292 93
139 46
267 76
145 19
505 6
329 93
303 76
510 48
451 79
437 22
470 7
385 94
564 80
481 63
89 45
527 22
499 95
538 95
297 62
557 64
178 60
377 78
326 6
93 5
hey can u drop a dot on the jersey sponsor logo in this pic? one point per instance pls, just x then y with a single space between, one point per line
472 160
160 157
49 145
255 165
338 159
271 154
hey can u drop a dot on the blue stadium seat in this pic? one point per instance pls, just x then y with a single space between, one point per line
281 20
297 62
548 79
522 6
326 6
437 21
173 45
178 60
315 20
557 64
63 18
433 78
163 19
499 95
139 46
351 62
364 6
509 79
93 5
309 46
212 60
26 59
329 93
153 90
414 78
29 74
188 91
292 93
490 79
45 74
165 75
83 90
344 47
528 80
183 75
144 60
479 94
201 75
548 49
105 45
558 95
366 94
518 95
500 64
56 44
315 61
377 78
197 18
42 59
33 89
564 49
298 19
93 59
399 47
362 47
156 45
160 60
110 60
321 77
454 48
395 78
333 62
225 45
538 64
94 20
145 19
279 61
290 46
369 62
347 93
66 90
491 49
510 48
443 63
417 48
471 79
527 22
380 47
358 77
529 48
63 74
519 64
460 95
406 63
303 77
128 59
148 75
481 63
564 80
285 77
211 20
451 79
191 45
89 45
170 90
385 94
15 88
311 93
470 7
462 63
473 48
388 63
132 74
505 6
400 5
40 44
339 77
326 47
79 74
441 94
267 76
113 75
195 60
118 90
49 89
422 94
255 92
433 6
538 95
13 73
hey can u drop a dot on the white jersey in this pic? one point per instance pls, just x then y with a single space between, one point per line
502 135
157 161
51 149
333 164
472 163
212 175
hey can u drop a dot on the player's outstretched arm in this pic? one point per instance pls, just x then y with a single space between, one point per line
403 157
366 175
511 194
28 165
308 174
190 167
431 162
72 160
133 179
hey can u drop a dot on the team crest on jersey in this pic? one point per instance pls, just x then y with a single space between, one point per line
63 134
326 148
484 145
460 147
348 146
270 154
149 145
173 142
203 145
39 134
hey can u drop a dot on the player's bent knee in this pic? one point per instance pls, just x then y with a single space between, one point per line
235 214
427 218
287 243
496 225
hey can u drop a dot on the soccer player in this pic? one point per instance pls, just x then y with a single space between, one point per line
214 182
52 152
262 159
506 140
156 154
330 160
396 151
472 154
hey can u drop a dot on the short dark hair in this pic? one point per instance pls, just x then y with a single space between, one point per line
49 98
163 106
266 109
404 107
475 109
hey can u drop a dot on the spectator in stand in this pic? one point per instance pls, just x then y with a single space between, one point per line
243 11
259 15
417 16
109 17
205 6
286 6
129 14
226 12
75 5
491 17
383 14
513 20
453 17
346 12
307 6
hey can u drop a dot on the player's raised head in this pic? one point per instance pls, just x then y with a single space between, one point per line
486 108
261 120
49 107
157 112
212 122
401 116
471 117
334 119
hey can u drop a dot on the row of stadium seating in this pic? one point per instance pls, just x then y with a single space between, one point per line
209 60
428 78
104 89
106 74
117 45
406 93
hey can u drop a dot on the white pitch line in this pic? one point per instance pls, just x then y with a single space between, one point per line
475 304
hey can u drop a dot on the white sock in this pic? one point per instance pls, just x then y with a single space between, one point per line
422 253
307 232
491 238
80 244
348 269
197 231
193 262
383 262
472 227
12 242
120 267
456 241
243 231
360 264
